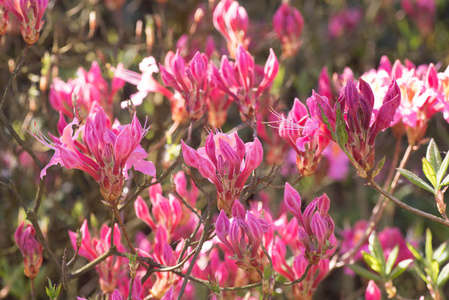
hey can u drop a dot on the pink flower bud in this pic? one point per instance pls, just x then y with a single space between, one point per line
30 15
30 248
288 23
372 291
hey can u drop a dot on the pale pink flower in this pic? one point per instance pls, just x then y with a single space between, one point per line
113 269
144 82
30 248
231 20
338 162
105 154
30 15
226 162
288 23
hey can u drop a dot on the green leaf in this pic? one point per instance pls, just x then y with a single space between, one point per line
415 252
392 259
434 270
364 272
377 251
433 155
440 254
443 277
400 268
445 181
416 180
372 262
340 128
429 248
378 167
442 170
429 171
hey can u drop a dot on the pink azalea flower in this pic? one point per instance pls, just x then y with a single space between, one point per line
360 125
288 23
238 79
30 248
338 162
231 20
85 91
306 288
344 21
113 269
191 80
242 236
226 162
300 132
422 12
105 154
30 15
316 230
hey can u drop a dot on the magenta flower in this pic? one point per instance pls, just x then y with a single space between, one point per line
29 13
231 20
238 79
423 14
300 132
192 81
112 269
344 21
305 289
86 90
167 212
288 23
372 291
105 154
30 248
226 162
242 236
316 230
360 125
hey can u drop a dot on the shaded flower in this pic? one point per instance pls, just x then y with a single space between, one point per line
288 23
30 248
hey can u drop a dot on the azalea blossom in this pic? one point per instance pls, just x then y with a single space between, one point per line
30 248
30 15
227 162
105 153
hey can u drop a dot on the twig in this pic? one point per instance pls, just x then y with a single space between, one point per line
304 275
93 263
174 191
13 75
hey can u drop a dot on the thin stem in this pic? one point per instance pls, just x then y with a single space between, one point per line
92 264
195 257
13 75
33 297
125 233
304 275
174 191
401 204
379 208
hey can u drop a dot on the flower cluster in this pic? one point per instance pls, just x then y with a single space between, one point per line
106 154
226 162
